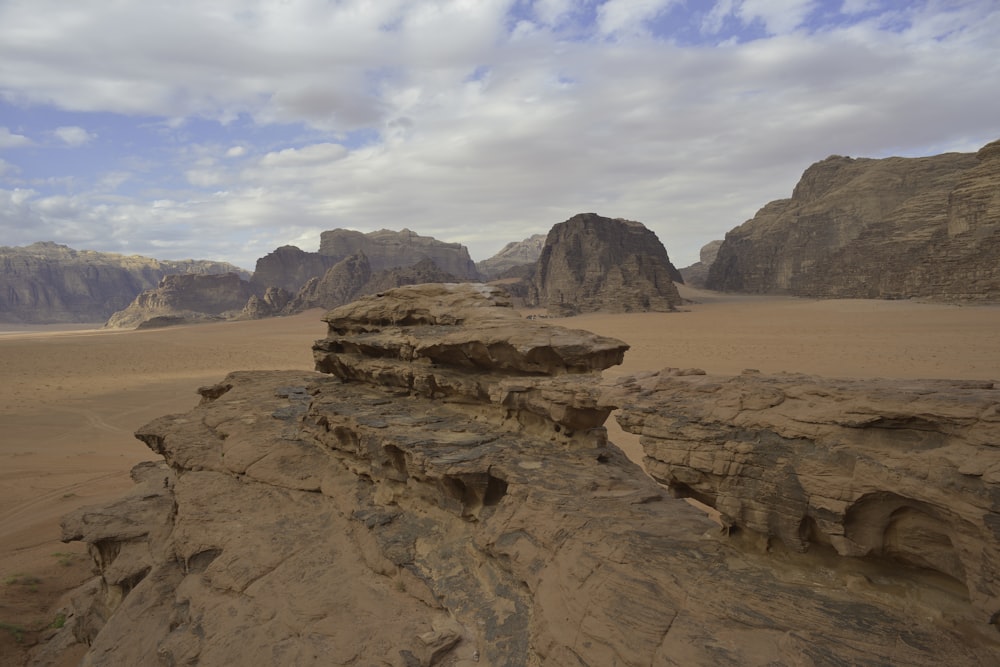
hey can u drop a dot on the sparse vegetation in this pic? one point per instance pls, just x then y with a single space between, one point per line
15 630
58 622
65 559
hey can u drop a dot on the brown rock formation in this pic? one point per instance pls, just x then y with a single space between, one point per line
514 254
907 471
890 228
696 274
47 283
591 263
289 268
338 285
387 249
273 302
192 298
446 495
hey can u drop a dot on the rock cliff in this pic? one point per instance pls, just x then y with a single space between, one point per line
443 493
697 274
48 283
289 268
592 263
514 254
387 249
186 298
864 228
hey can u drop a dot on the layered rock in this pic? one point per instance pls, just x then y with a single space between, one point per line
338 285
696 275
592 263
47 283
514 254
889 228
186 298
387 249
444 493
905 471
273 302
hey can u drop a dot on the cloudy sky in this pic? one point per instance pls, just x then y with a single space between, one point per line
225 128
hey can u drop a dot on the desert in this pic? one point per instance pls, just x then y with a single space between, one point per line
72 399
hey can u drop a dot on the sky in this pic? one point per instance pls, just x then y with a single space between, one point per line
222 129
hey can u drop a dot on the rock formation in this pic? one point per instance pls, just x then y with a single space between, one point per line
289 268
865 228
274 302
904 471
187 298
696 274
48 283
386 249
444 493
338 285
591 263
514 254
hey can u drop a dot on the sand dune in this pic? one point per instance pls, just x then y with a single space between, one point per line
70 400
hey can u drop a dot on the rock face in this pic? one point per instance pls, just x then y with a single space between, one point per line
386 249
273 302
443 493
191 298
591 263
48 283
864 228
289 268
338 285
906 471
697 274
514 254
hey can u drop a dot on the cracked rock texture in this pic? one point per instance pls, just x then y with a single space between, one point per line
444 493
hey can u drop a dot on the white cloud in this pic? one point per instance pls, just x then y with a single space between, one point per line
429 115
10 140
74 136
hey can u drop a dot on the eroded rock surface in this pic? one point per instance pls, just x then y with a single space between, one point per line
388 249
445 494
907 471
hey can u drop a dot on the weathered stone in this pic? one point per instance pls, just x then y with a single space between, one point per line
387 249
189 297
896 469
696 274
514 254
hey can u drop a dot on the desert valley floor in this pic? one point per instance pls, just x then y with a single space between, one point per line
71 399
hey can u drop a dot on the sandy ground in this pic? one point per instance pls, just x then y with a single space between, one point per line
70 400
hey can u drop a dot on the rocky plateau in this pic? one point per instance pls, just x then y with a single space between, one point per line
442 491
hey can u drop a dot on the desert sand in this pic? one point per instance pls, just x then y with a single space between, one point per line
71 399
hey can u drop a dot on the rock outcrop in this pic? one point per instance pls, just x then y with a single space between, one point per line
444 493
289 268
340 284
387 249
697 274
514 254
273 302
186 298
591 263
46 283
864 228
904 471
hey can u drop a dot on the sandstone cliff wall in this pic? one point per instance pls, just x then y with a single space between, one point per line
386 249
514 254
188 298
890 228
48 283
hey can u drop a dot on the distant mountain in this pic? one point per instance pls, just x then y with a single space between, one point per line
591 263
514 254
186 298
696 274
386 249
875 228
46 283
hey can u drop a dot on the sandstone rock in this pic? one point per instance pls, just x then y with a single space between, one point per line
907 471
424 271
696 274
591 263
289 268
387 249
48 283
274 302
864 228
339 285
191 297
514 254
448 496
